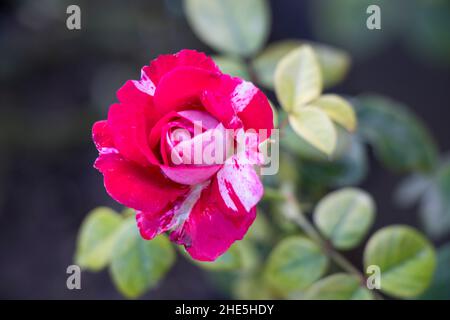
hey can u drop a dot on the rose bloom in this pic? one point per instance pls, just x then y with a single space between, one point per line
144 152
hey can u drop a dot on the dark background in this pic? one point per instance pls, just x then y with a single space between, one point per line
54 83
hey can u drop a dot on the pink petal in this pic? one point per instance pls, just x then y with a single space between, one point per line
182 88
212 228
133 93
153 223
144 189
239 185
145 85
102 136
211 147
129 126
185 58
190 174
199 117
232 100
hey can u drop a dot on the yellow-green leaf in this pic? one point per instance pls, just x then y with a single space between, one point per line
340 286
338 109
334 63
266 62
240 256
230 26
315 127
345 216
137 264
406 260
96 238
298 78
295 264
399 138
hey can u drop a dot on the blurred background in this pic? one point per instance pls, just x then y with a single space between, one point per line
55 83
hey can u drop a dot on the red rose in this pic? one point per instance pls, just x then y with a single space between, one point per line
145 152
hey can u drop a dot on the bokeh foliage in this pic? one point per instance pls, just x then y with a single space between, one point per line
324 145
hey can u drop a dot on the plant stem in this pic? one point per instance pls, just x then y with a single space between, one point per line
295 214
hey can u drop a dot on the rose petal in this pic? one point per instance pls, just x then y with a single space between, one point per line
232 100
182 88
152 224
144 189
102 137
129 126
212 228
211 147
202 118
190 174
185 58
134 93
239 185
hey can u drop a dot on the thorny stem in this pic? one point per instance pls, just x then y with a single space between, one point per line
295 215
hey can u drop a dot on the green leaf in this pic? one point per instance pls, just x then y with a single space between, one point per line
266 62
435 205
137 264
334 63
298 78
260 231
295 264
349 170
232 66
340 286
440 286
315 127
338 109
96 238
230 26
298 146
399 138
406 260
251 288
345 216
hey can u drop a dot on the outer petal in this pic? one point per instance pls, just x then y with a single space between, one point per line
130 126
102 136
151 224
239 185
232 99
136 92
212 227
185 58
139 188
182 89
